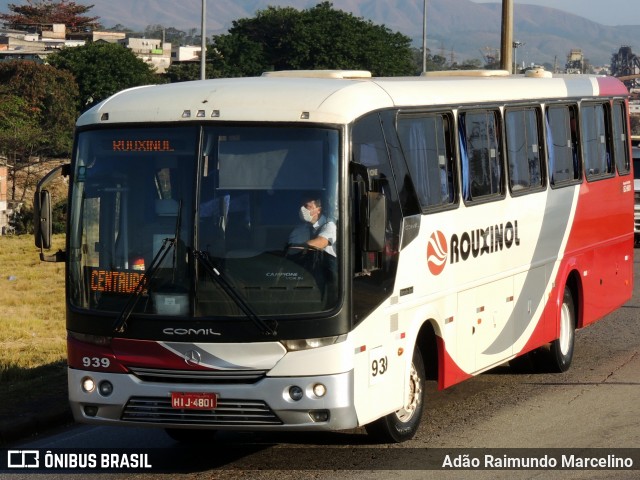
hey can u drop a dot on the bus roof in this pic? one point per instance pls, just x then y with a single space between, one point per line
331 97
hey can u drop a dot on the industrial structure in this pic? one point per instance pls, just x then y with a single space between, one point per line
575 62
626 66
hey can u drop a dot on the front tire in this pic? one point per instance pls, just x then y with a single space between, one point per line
403 424
562 347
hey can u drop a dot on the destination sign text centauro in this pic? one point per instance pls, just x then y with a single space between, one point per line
114 281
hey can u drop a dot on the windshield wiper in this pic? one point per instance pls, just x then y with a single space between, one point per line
145 279
121 322
214 273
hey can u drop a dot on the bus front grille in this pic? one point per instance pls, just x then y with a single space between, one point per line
228 412
198 376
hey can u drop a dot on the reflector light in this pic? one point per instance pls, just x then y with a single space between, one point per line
90 410
319 415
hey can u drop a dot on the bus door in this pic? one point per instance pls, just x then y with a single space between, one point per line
380 370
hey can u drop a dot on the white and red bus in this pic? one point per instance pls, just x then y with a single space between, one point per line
477 218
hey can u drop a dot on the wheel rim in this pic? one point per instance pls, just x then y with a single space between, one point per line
565 329
415 394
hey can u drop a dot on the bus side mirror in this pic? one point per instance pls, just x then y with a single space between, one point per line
376 221
42 219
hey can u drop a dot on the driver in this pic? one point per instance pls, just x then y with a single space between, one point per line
315 230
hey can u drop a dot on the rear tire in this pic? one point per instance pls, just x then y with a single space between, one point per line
562 348
403 424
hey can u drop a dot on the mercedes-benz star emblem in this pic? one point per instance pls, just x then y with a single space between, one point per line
192 357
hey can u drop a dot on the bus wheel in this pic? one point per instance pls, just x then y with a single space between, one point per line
185 435
403 424
562 348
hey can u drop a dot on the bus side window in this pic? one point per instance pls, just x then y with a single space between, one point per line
595 140
427 146
523 149
562 145
620 138
480 154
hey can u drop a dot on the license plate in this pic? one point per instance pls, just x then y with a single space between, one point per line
194 401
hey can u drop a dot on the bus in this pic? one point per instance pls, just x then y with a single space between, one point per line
477 218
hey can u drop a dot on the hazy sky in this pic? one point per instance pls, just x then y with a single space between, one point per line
607 12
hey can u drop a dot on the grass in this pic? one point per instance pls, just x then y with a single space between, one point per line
32 334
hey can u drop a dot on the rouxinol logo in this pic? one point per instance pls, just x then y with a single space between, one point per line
471 244
437 252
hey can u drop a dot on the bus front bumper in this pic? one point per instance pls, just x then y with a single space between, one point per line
267 405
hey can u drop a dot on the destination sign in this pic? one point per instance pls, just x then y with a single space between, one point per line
111 281
142 146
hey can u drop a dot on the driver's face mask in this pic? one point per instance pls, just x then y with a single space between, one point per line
305 214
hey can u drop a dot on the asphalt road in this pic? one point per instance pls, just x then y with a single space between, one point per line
593 405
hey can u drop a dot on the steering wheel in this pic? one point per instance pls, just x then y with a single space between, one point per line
299 249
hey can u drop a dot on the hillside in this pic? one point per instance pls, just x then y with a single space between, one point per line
458 28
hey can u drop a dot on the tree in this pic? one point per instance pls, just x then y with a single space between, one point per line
45 12
22 219
37 117
317 38
20 135
102 69
50 97
183 72
172 34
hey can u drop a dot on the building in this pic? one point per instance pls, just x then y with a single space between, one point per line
109 37
152 51
186 53
16 45
21 45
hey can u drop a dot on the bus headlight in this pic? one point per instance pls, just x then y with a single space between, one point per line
309 343
319 390
88 385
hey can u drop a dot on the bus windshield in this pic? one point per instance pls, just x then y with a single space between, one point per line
205 221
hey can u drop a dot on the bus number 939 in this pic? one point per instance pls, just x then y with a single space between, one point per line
379 366
378 363
96 362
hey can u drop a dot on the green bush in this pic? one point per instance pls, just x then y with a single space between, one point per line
22 220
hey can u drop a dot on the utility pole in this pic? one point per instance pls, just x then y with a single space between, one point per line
516 46
203 47
424 37
506 44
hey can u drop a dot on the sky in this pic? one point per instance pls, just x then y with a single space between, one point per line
606 12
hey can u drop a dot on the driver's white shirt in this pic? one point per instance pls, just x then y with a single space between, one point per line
322 228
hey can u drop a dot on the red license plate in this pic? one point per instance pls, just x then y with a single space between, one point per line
194 401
